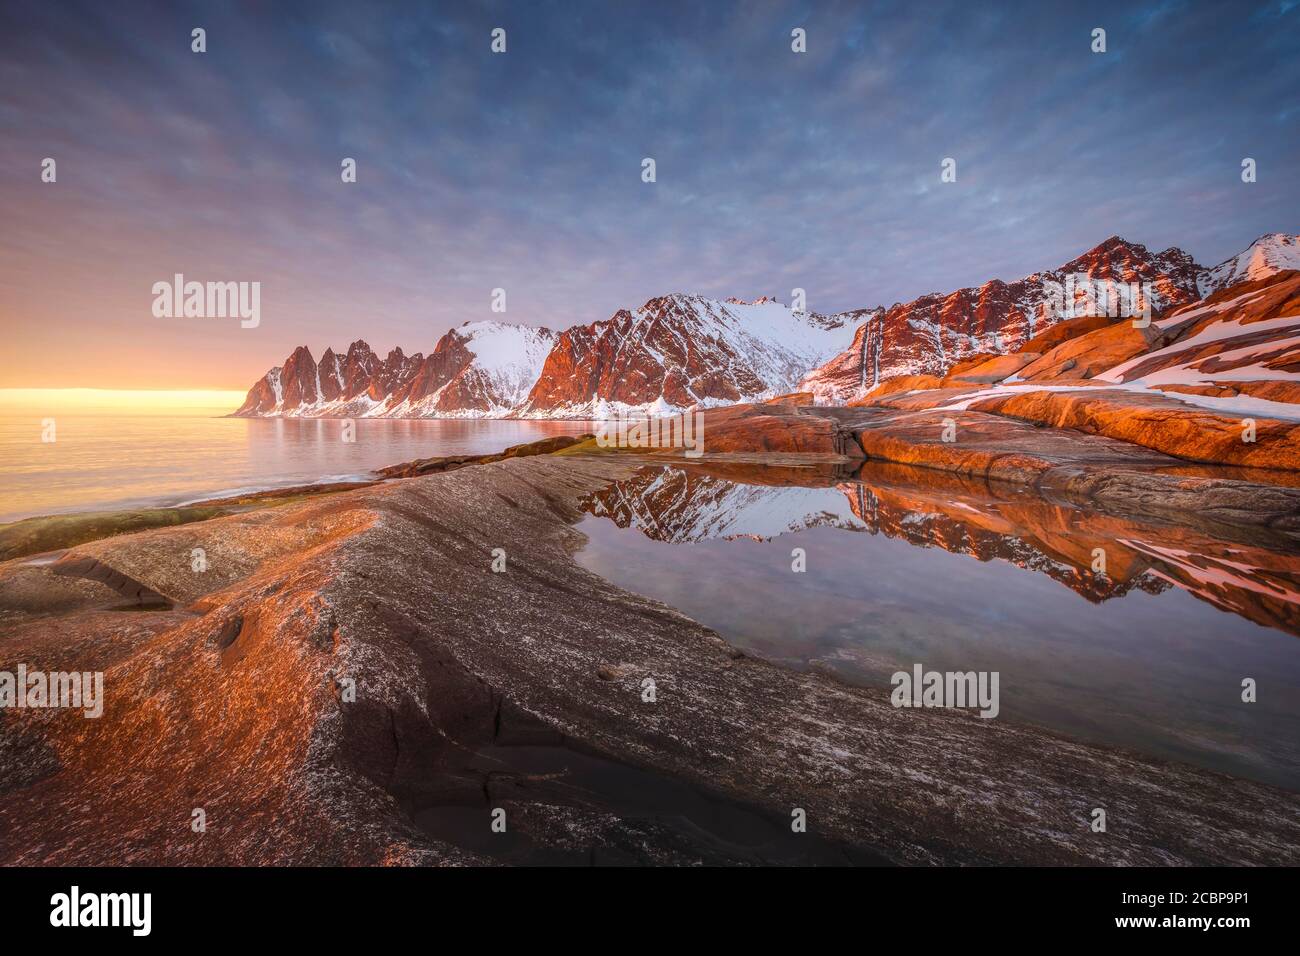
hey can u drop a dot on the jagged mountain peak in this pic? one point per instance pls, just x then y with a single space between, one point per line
681 349
932 333
479 368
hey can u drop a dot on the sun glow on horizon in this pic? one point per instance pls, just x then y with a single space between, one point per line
121 401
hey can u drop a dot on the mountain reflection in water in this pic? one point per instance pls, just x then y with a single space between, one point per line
1150 655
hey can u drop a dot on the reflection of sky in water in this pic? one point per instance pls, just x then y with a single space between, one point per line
1159 673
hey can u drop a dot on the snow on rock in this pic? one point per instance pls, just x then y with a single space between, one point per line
482 369
1236 357
1268 255
679 351
930 334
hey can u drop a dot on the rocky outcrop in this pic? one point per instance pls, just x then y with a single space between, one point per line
1063 331
243 704
1091 354
1162 423
990 446
428 466
989 370
1271 391
793 398
775 429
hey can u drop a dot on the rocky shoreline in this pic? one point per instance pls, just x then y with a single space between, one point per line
477 690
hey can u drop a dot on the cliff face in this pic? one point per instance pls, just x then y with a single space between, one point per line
338 385
932 334
481 368
683 350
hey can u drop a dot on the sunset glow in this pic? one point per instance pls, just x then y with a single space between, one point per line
120 401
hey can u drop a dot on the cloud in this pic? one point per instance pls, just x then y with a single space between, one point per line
522 171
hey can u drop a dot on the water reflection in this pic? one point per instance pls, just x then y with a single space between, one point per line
1149 655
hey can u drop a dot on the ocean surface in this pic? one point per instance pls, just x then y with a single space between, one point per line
108 461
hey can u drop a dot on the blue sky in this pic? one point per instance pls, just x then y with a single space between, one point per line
522 170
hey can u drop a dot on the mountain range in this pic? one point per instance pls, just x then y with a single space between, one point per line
679 350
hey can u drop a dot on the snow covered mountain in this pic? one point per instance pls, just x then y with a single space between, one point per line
931 334
678 350
674 352
479 370
1267 255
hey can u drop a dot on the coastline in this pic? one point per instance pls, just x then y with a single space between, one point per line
390 585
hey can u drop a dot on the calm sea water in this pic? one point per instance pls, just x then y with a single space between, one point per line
109 461
1151 660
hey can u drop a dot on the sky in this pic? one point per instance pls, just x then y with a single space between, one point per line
523 170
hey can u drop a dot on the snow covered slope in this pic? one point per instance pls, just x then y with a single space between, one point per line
930 334
1237 354
482 369
1267 255
679 350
